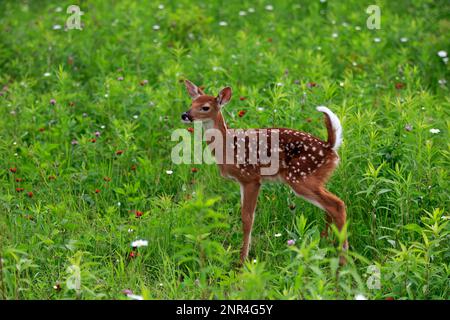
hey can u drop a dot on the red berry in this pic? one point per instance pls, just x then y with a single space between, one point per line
119 152
13 170
138 213
242 98
30 194
241 113
194 170
190 129
97 191
19 189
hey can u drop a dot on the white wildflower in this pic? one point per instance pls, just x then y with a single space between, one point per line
139 243
269 7
223 23
156 27
403 39
47 74
135 297
57 27
277 235
377 40
169 172
161 7
251 10
442 53
335 35
435 131
360 297
242 13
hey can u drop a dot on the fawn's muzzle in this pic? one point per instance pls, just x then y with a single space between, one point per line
186 117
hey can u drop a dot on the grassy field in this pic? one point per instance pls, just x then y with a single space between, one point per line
85 168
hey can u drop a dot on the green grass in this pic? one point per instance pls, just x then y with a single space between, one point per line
394 181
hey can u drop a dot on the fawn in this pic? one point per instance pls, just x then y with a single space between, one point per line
305 163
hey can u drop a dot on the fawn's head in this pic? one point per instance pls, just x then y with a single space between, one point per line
204 107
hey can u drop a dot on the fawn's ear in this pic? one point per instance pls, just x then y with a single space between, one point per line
193 90
224 96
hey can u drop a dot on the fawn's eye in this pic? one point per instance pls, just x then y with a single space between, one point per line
205 108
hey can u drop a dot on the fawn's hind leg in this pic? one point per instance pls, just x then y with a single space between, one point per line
322 198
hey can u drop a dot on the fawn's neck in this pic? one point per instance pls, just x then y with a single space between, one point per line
218 123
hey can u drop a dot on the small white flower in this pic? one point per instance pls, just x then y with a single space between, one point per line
377 40
360 297
319 48
403 39
260 109
135 116
442 53
58 9
169 172
341 84
442 82
279 84
335 35
323 1
103 127
251 10
139 243
223 23
57 27
277 235
269 7
106 95
119 204
161 7
445 60
156 27
135 297
47 74
255 261
358 28
435 131
242 13
130 230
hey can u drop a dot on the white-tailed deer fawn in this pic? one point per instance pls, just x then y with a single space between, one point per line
305 163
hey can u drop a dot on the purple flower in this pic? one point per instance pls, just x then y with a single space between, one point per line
120 78
127 292
290 242
74 142
97 133
408 127
52 102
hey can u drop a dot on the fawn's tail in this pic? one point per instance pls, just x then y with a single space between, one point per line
333 126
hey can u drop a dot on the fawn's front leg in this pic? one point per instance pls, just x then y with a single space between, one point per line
249 197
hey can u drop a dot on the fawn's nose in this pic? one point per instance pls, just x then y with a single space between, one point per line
185 117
